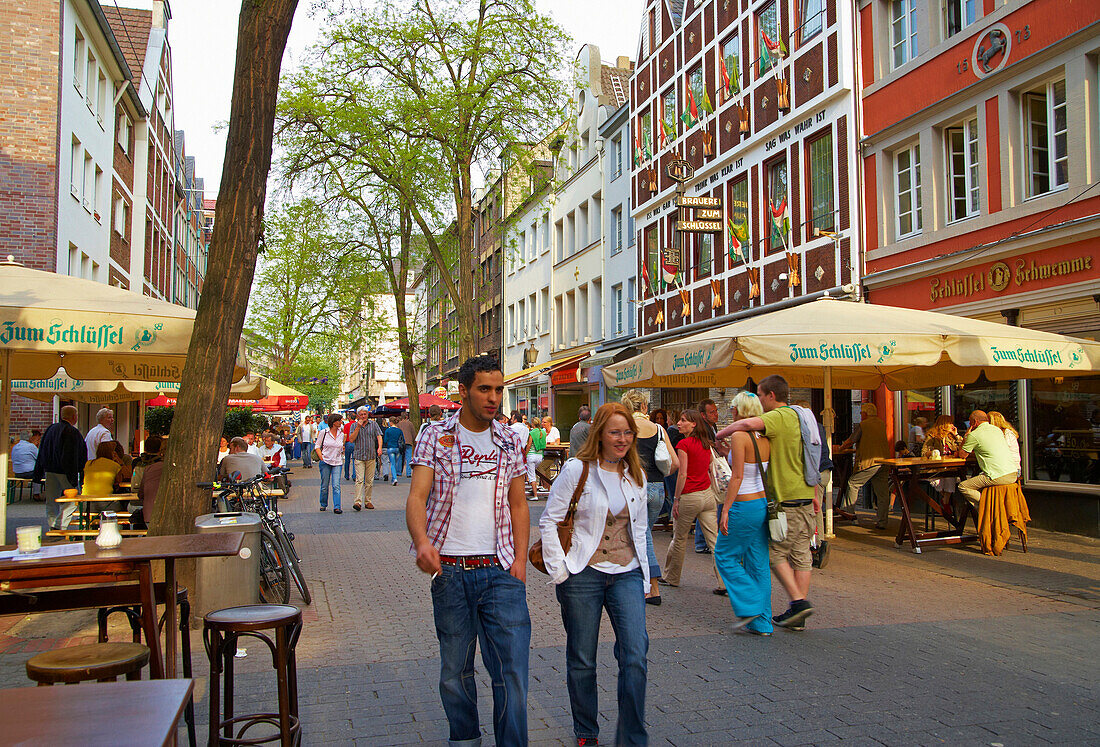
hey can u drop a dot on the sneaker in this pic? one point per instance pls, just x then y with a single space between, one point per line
704 551
741 622
721 593
585 741
795 615
395 483
797 628
662 582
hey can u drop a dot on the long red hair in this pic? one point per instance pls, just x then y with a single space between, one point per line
593 447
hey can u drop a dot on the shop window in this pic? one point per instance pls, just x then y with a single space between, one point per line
729 67
704 255
984 395
820 156
957 15
812 18
767 25
778 231
903 30
963 187
669 115
1045 131
737 227
1064 425
907 194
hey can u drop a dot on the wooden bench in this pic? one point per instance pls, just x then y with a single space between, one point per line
90 534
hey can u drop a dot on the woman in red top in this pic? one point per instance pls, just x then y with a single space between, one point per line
695 497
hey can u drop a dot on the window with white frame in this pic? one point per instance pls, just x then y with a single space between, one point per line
630 230
545 306
907 194
812 18
1046 136
957 15
512 324
767 24
903 30
820 153
121 215
616 157
124 129
79 57
616 230
963 185
532 311
532 241
617 300
630 293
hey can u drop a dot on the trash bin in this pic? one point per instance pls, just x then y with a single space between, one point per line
228 581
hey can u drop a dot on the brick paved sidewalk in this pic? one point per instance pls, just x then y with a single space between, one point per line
948 646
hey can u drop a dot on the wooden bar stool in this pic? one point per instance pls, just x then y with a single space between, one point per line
221 631
103 662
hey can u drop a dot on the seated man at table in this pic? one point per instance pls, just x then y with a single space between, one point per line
23 456
272 452
869 438
987 443
240 464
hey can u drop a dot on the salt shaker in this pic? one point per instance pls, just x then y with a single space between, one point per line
109 536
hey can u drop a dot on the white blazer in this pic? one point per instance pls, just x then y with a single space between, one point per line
589 521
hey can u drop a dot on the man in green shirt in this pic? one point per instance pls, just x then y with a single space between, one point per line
987 443
791 560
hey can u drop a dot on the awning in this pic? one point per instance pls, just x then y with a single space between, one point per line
607 357
527 374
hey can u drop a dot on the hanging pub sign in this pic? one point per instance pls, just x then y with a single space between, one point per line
679 170
707 216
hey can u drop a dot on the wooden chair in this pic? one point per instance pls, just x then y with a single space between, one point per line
103 662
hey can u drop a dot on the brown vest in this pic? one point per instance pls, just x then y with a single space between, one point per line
872 443
617 542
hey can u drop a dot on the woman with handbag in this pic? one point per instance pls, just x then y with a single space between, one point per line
593 545
656 462
695 496
741 552
329 452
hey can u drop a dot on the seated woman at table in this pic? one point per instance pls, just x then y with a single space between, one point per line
223 449
553 435
1012 438
125 463
944 438
146 482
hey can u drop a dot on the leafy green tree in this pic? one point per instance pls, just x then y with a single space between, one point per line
458 80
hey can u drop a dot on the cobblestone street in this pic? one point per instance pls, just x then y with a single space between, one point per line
947 647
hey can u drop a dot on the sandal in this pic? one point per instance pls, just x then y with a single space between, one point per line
358 506
369 505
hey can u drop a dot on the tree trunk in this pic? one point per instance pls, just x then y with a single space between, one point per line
208 372
404 341
468 322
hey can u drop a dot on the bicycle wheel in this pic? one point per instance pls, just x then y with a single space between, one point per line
292 561
274 586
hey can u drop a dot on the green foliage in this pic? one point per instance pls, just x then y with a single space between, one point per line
158 420
240 420
315 361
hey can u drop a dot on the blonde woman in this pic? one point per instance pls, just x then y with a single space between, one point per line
943 437
605 568
553 435
1012 438
649 435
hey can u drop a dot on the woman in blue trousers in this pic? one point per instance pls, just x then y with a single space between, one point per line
741 552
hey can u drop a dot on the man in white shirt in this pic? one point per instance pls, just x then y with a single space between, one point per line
253 447
105 420
307 432
271 452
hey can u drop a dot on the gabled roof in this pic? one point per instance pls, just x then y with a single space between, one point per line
131 29
615 84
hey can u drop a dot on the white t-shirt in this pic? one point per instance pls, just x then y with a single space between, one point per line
616 502
523 431
306 433
270 454
95 437
553 435
255 449
473 528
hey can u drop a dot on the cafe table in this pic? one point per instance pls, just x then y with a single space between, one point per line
95 714
906 475
86 505
554 457
117 567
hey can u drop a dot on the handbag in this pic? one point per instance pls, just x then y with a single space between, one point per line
777 519
317 449
661 456
720 474
565 526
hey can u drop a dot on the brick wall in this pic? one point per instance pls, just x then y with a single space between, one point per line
29 413
29 61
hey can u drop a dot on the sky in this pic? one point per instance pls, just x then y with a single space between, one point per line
203 35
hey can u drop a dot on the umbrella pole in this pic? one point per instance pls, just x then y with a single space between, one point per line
828 419
141 426
5 453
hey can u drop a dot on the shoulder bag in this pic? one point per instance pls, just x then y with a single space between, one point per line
317 449
777 519
565 526
720 474
661 456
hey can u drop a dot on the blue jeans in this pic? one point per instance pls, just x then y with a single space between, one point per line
349 462
670 494
654 501
583 598
742 560
328 479
491 605
408 460
307 455
395 463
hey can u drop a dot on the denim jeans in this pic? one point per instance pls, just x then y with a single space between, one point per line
742 561
349 461
395 463
491 605
654 501
583 598
307 455
327 479
408 460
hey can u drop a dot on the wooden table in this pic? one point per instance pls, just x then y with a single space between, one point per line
906 475
20 483
94 714
130 561
84 509
553 457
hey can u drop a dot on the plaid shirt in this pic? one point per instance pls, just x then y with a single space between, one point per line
439 448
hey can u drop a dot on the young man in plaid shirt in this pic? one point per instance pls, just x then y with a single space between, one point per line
467 515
